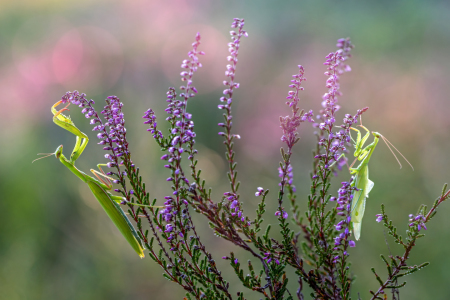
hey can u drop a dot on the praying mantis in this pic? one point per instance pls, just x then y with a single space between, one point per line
361 176
99 186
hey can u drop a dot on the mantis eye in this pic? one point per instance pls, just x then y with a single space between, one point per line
58 151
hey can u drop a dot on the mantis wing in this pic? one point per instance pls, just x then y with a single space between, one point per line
365 185
118 217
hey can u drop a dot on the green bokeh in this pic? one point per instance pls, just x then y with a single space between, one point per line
56 243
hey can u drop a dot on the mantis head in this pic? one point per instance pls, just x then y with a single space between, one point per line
57 153
376 134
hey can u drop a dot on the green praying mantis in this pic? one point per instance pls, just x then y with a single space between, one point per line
361 175
99 186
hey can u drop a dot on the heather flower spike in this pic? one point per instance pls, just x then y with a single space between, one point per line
314 232
230 86
290 124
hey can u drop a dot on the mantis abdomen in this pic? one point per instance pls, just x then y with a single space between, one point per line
116 214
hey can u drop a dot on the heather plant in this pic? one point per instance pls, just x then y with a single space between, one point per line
316 229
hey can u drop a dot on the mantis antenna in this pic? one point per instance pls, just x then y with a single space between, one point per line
386 141
389 143
46 155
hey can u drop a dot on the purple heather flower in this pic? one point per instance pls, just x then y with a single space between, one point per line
308 116
236 261
379 218
268 258
234 204
337 241
418 220
339 225
259 192
280 172
344 207
290 124
230 196
169 228
281 213
351 243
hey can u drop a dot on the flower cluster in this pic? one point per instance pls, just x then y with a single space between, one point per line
260 191
268 257
296 84
233 48
379 218
290 124
287 178
115 120
116 142
281 213
418 221
151 121
77 98
336 66
344 208
289 175
231 67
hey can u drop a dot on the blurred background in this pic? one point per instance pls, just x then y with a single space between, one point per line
55 240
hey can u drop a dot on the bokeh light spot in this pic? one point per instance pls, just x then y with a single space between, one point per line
67 56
